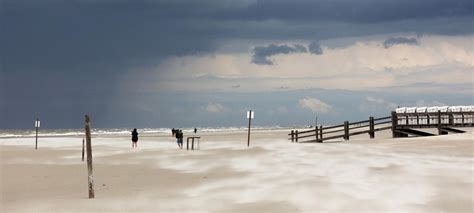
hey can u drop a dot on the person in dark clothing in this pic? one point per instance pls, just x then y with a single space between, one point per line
134 138
173 132
195 130
179 138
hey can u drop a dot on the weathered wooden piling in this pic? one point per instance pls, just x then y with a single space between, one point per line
83 150
316 133
394 124
90 178
296 136
292 136
346 130
321 133
371 127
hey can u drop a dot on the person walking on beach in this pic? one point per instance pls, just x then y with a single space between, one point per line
195 130
179 138
134 138
173 132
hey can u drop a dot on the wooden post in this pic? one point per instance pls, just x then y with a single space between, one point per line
187 143
321 133
440 131
451 119
83 150
296 136
292 136
394 124
248 135
316 133
346 130
371 127
89 157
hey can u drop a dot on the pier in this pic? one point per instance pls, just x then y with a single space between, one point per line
403 122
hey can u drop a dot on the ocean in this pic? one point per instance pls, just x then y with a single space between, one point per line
20 133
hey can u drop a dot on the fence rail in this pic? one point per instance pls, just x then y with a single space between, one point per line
400 123
345 130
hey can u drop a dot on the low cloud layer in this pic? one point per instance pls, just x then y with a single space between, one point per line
314 104
349 68
216 108
399 40
261 54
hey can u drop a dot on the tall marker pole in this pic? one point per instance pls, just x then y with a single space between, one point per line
37 125
89 157
249 116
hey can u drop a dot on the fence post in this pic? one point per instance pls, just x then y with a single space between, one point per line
292 136
371 127
321 133
440 131
89 157
316 133
394 124
296 136
346 130
83 150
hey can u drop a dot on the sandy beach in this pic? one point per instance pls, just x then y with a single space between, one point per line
430 174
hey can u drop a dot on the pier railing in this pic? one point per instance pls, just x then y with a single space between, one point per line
401 124
345 130
404 124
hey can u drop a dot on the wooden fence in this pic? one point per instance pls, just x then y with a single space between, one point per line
401 124
345 130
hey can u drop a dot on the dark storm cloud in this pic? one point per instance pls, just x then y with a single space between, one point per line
261 54
315 48
69 56
372 11
109 36
399 40
59 35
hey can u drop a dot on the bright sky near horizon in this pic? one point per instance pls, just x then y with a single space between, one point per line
168 63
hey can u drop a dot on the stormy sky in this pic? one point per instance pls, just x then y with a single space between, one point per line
186 63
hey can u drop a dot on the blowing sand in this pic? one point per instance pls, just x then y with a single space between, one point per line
430 174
